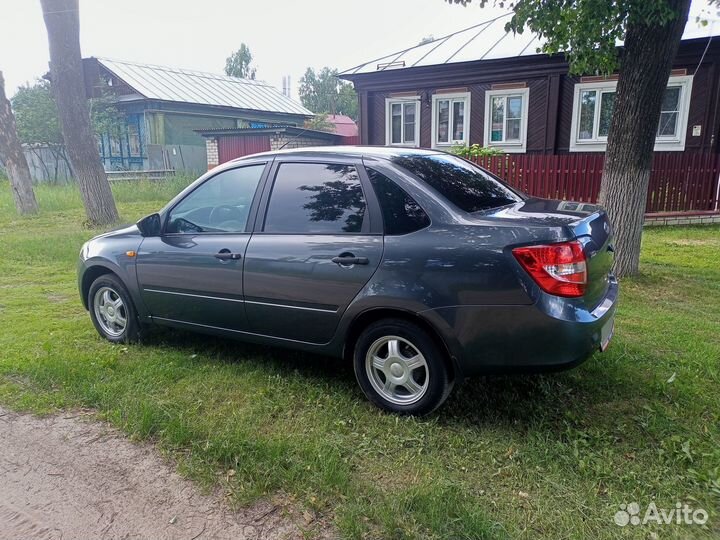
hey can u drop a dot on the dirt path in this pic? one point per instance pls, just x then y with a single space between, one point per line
64 477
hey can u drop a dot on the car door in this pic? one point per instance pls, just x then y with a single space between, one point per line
317 244
192 273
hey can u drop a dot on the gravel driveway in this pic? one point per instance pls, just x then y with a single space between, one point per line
67 477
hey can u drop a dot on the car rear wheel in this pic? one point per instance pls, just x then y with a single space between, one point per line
400 368
112 311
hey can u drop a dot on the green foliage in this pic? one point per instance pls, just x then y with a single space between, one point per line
323 92
37 117
239 63
36 114
475 150
320 122
587 31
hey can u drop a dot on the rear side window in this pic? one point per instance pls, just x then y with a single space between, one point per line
401 214
316 198
466 186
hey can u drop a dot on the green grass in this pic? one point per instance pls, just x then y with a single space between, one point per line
530 457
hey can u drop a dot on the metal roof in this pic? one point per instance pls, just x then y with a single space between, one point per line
487 40
186 86
344 125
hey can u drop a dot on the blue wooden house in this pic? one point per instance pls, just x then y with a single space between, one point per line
163 107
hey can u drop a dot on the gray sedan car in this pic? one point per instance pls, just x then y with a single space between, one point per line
417 266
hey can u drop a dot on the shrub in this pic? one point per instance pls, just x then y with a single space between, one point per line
475 150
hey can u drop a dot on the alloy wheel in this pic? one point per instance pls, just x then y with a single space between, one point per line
397 370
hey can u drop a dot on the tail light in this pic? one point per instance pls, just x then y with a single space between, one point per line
558 269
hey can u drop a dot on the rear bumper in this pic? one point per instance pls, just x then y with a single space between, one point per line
551 334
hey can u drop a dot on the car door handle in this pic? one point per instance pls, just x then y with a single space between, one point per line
347 261
228 256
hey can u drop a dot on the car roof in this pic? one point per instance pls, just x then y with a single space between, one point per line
383 152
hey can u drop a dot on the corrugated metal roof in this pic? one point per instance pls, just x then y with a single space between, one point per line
186 86
487 40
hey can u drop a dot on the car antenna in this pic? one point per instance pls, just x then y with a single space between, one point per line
293 138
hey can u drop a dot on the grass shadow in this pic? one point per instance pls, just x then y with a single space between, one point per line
520 401
210 348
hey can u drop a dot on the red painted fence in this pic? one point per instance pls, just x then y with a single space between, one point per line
679 181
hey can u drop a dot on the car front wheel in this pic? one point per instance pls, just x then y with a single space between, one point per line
112 311
400 368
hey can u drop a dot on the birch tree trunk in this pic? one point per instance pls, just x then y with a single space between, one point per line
645 67
11 153
62 21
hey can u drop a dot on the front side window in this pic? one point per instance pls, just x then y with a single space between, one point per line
463 184
401 213
451 114
220 205
506 119
403 122
594 104
316 198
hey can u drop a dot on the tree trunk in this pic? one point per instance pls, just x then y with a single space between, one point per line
645 68
62 21
12 155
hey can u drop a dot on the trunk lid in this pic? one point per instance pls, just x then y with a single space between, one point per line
588 223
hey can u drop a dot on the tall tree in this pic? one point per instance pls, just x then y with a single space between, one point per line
587 31
12 155
62 20
320 122
323 92
239 63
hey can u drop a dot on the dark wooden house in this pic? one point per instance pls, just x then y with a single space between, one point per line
484 86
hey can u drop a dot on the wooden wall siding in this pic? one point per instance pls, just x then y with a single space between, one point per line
679 181
537 115
551 92
376 117
566 96
699 101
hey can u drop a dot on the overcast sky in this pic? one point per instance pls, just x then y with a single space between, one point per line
285 36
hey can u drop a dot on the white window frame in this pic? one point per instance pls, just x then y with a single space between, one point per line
389 102
452 98
510 147
675 143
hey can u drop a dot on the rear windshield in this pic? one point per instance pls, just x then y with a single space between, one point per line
466 186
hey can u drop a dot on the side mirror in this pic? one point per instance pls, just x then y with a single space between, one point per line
149 225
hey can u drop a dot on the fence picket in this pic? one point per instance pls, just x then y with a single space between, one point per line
679 181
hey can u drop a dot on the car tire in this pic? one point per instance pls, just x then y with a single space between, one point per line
401 369
112 310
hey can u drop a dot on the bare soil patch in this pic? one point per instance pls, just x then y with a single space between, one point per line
66 477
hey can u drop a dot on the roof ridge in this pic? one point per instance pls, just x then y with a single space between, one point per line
186 71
